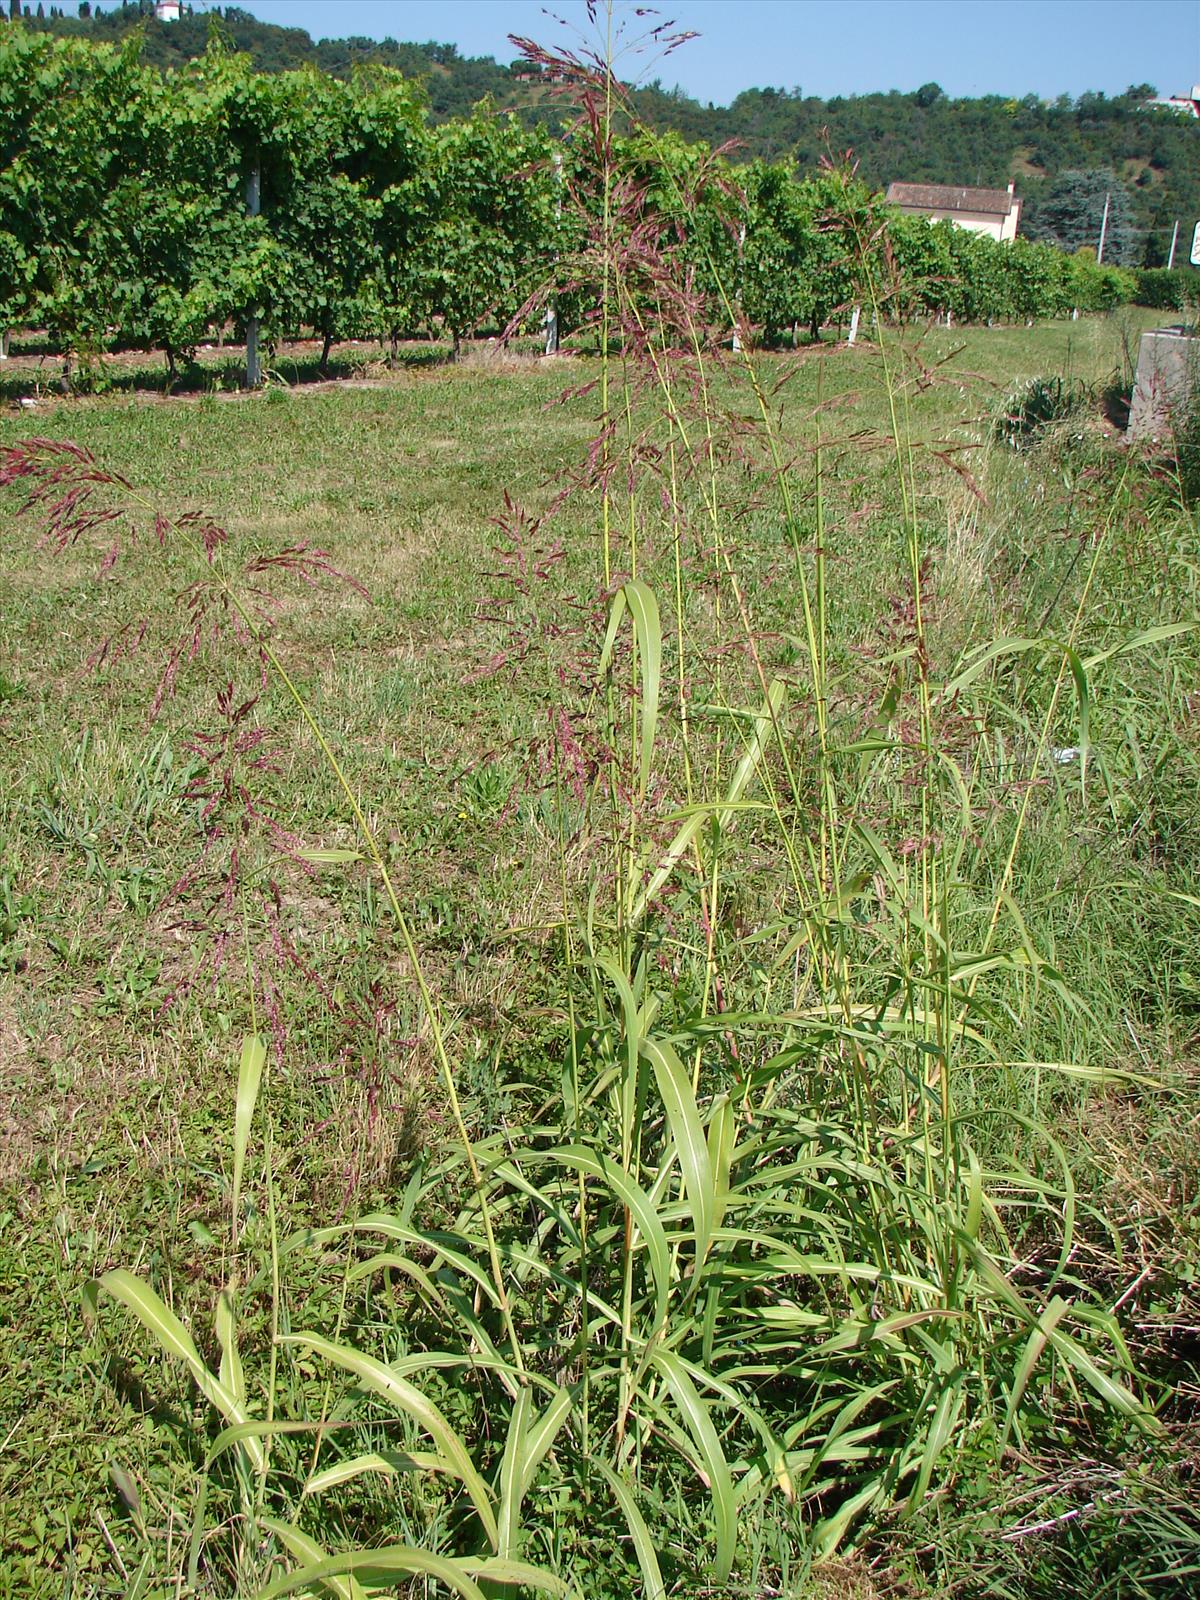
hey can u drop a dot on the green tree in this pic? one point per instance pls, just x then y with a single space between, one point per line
71 128
186 245
493 239
923 274
1071 214
396 166
775 289
843 228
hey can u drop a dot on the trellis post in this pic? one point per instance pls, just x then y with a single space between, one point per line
253 206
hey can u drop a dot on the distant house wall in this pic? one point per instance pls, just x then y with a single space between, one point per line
999 228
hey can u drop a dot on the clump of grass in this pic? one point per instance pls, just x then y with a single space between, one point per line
1039 405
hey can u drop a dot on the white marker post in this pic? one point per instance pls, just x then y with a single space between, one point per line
1103 231
1174 242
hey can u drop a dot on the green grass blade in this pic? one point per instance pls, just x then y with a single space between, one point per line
700 1426
444 1245
298 1544
409 1399
1072 1352
376 1567
647 633
526 1447
393 1261
682 842
830 1531
1110 1391
722 1136
937 1436
591 1162
1030 1356
983 658
240 1431
173 1338
1164 630
616 612
231 1371
511 1574
643 1544
687 1135
511 1489
631 1031
250 1069
387 1465
539 1441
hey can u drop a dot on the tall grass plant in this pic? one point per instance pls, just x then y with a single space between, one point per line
842 905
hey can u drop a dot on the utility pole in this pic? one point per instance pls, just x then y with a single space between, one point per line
253 203
1174 242
1103 231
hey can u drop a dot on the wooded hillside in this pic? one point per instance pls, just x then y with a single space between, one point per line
1148 158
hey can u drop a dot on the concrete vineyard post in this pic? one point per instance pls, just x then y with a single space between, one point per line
737 337
253 366
552 304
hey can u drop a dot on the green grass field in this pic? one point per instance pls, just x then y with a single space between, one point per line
918 922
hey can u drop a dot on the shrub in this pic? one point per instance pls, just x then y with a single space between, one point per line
1161 290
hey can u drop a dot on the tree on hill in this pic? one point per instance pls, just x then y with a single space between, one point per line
1071 215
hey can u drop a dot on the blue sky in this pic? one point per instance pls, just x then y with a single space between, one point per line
828 47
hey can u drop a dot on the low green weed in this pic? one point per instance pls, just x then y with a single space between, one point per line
16 909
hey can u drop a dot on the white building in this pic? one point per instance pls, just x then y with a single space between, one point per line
996 212
168 10
1189 103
